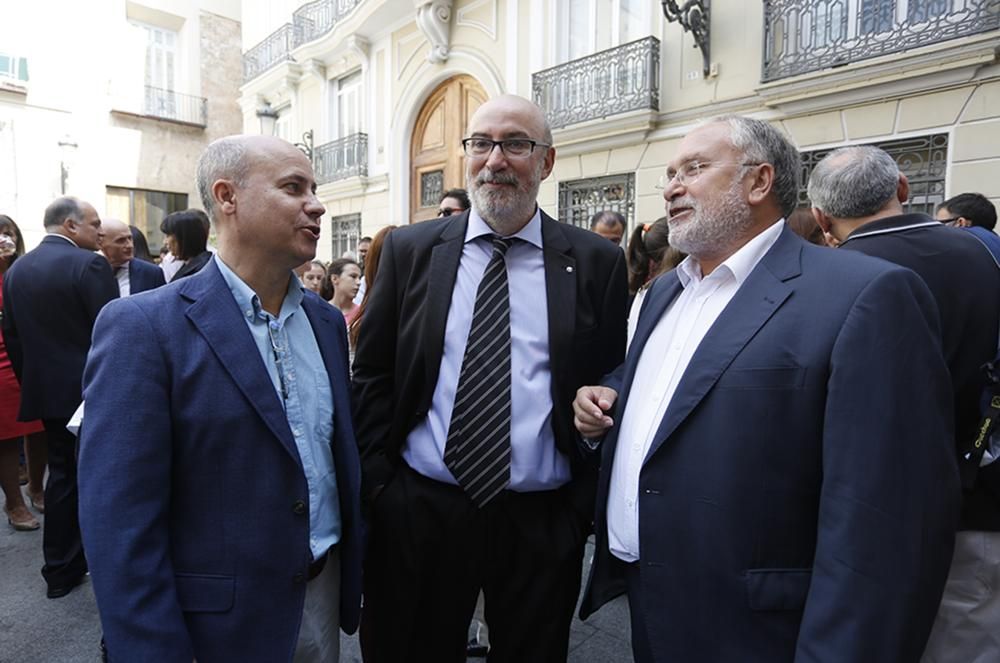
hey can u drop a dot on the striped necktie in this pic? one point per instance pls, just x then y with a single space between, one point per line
477 450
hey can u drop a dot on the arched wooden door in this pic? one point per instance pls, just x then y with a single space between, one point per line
436 158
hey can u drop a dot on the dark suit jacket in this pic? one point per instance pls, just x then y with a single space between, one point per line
143 276
402 336
965 283
191 484
800 497
51 297
193 265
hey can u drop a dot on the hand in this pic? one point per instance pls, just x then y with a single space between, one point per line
589 409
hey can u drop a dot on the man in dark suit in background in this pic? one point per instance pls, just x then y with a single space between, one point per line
52 296
779 483
222 513
133 276
480 328
857 195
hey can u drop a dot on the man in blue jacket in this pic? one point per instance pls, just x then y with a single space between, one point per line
219 492
133 275
779 483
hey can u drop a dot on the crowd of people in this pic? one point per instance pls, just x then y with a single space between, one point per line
769 418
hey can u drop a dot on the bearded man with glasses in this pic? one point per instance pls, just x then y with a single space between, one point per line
777 480
481 327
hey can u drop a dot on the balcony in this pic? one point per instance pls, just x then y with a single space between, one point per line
315 19
341 159
615 81
174 106
277 47
802 36
310 21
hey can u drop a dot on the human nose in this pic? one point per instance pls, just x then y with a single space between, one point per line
314 207
496 156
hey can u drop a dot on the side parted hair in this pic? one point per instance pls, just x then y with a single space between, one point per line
336 268
975 207
224 159
853 182
60 209
762 143
190 229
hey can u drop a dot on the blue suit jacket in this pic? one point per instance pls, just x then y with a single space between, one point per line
51 298
800 497
191 485
143 276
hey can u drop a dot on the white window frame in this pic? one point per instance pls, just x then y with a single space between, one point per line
169 47
349 102
594 29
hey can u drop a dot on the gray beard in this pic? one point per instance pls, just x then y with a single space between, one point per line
714 226
505 211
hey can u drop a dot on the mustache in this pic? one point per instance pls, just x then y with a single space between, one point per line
487 176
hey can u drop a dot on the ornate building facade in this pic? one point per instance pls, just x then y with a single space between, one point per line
379 91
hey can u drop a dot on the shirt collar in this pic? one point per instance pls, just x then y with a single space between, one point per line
530 233
741 263
249 302
60 236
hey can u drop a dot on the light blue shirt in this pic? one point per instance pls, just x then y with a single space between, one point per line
536 463
288 348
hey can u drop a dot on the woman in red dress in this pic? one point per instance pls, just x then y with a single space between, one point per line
12 431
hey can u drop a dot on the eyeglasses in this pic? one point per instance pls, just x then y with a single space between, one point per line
517 148
691 171
447 211
950 222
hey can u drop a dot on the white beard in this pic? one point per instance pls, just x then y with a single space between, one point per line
713 226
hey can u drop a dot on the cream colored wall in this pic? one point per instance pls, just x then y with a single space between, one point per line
73 98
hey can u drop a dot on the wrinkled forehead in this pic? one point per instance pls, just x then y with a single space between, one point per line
708 142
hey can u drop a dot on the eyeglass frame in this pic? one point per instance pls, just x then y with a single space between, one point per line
503 149
664 180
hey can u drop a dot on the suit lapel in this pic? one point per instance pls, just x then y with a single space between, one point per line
560 298
445 257
763 292
214 312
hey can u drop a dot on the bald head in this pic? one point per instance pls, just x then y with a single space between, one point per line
525 110
116 244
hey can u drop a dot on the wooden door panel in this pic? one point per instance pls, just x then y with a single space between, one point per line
437 162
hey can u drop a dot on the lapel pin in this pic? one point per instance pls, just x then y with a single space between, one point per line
569 268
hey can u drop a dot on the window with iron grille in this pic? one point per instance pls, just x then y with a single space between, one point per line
581 199
922 159
346 233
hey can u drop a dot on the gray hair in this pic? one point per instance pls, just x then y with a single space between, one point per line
762 143
61 209
224 159
853 182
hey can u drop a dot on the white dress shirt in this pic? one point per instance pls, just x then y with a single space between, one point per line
665 356
122 276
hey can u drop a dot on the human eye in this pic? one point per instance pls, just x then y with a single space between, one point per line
691 169
480 145
517 146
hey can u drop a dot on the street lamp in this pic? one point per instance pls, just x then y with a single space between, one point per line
268 118
307 144
694 17
66 147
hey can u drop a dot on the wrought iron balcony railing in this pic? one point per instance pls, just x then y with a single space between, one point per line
170 105
618 80
277 47
314 19
341 158
807 35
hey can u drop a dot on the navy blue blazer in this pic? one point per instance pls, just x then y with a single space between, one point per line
51 298
143 276
191 487
800 497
